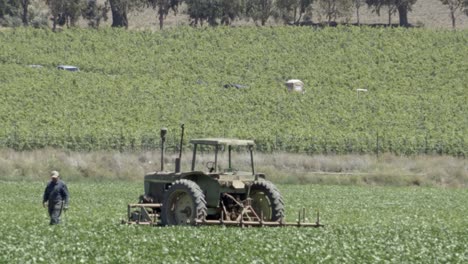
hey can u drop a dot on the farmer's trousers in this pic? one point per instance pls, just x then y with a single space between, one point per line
55 210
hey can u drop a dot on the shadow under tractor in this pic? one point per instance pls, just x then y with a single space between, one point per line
213 196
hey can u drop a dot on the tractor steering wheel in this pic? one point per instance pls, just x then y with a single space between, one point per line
210 166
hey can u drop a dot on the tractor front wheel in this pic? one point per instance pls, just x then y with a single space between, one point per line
183 203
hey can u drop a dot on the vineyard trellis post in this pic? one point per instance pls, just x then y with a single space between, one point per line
377 144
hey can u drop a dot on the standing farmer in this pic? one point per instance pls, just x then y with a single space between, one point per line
55 197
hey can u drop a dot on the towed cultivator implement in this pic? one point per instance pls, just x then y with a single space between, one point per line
229 197
147 214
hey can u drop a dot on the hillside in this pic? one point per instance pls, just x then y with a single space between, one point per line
427 13
132 83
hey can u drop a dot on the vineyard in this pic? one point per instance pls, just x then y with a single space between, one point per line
364 225
132 83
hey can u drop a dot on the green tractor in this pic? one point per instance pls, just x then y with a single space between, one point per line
211 196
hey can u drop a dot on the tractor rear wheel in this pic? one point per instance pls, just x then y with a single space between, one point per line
267 201
183 203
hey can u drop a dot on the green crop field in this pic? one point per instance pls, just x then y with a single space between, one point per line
364 225
132 83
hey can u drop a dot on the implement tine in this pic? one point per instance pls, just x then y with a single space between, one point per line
128 212
261 218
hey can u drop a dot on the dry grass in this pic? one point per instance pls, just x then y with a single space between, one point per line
366 170
74 165
388 169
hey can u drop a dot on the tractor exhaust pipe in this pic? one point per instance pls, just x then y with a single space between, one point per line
177 161
163 145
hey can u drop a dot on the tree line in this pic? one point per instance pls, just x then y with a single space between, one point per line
210 12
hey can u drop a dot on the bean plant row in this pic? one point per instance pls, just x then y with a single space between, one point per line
363 225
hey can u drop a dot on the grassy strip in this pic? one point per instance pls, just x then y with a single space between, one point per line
387 170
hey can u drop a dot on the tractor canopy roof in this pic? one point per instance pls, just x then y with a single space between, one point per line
223 141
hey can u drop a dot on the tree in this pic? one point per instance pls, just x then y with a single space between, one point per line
259 10
15 8
201 10
94 13
454 6
403 7
392 9
230 10
212 10
56 8
65 11
119 9
291 11
163 7
335 8
8 8
72 11
25 6
357 5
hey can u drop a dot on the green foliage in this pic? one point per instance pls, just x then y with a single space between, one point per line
11 12
333 9
380 3
402 6
95 12
291 11
9 8
65 11
163 7
15 13
214 10
133 83
120 9
11 21
455 6
259 10
363 225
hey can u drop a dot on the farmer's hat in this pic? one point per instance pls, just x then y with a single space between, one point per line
54 174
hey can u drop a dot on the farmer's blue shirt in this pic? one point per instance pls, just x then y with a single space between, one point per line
56 192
